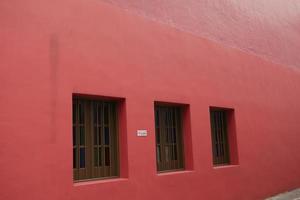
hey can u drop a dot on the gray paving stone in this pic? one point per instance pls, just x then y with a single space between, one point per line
292 195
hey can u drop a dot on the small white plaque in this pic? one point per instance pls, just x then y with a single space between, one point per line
142 133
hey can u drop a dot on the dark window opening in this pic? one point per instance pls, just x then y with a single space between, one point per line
169 147
95 139
219 132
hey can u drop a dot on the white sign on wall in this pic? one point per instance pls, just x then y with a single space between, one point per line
142 133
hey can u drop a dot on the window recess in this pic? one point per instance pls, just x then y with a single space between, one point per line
169 144
224 147
95 139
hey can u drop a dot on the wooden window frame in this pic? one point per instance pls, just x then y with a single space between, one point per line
167 119
101 134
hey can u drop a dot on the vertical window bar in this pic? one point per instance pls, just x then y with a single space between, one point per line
167 139
75 149
226 144
81 135
212 125
163 140
219 136
77 138
158 138
223 136
163 133
110 138
174 163
218 128
102 141
179 137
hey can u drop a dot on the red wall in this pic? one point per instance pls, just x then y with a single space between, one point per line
268 28
51 49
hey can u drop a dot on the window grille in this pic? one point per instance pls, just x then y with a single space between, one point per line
220 146
168 128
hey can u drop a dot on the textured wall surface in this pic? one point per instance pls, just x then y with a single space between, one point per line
268 28
50 49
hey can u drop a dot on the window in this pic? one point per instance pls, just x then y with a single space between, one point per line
168 128
95 139
221 132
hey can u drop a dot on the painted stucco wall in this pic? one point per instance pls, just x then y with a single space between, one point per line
51 49
267 28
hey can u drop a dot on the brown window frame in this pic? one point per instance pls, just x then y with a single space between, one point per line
220 136
95 130
169 147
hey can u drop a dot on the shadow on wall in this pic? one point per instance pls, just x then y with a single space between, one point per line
269 29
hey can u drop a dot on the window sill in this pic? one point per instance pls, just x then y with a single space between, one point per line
98 181
168 173
224 166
